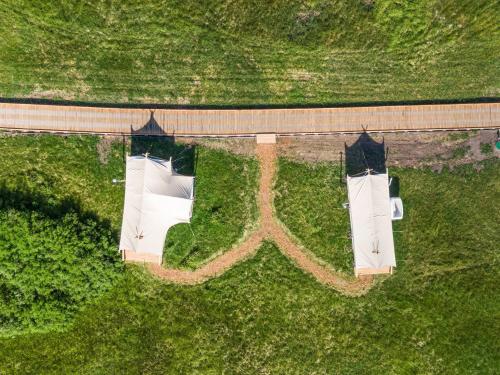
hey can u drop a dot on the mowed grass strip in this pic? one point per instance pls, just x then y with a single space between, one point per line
225 209
249 52
79 169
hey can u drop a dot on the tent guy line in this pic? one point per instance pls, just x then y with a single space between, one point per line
269 228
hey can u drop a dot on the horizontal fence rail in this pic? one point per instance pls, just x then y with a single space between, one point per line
246 122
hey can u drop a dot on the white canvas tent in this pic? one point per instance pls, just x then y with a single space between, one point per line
371 223
156 198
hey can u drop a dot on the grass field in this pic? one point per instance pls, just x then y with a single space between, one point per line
267 317
250 52
437 314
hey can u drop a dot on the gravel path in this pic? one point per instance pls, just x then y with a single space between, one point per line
268 228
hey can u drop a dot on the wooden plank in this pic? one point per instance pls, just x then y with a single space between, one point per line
372 271
132 256
269 138
249 122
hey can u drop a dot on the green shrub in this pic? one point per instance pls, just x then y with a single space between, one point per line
51 266
458 136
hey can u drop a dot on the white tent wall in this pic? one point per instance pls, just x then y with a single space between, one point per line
156 198
371 224
134 186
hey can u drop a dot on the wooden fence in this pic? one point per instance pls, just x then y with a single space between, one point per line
246 122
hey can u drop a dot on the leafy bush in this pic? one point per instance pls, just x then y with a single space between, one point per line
51 266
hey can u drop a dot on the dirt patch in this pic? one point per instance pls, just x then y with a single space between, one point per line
104 148
239 146
423 149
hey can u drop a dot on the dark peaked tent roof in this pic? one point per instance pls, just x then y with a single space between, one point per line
363 154
153 139
150 128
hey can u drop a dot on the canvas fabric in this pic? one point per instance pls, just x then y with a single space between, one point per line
371 223
156 198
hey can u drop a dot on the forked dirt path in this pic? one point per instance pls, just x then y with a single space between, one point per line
268 228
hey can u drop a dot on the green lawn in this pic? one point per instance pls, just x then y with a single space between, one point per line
60 168
250 52
225 209
308 200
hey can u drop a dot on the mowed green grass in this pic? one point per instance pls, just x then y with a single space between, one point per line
250 52
69 168
225 209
